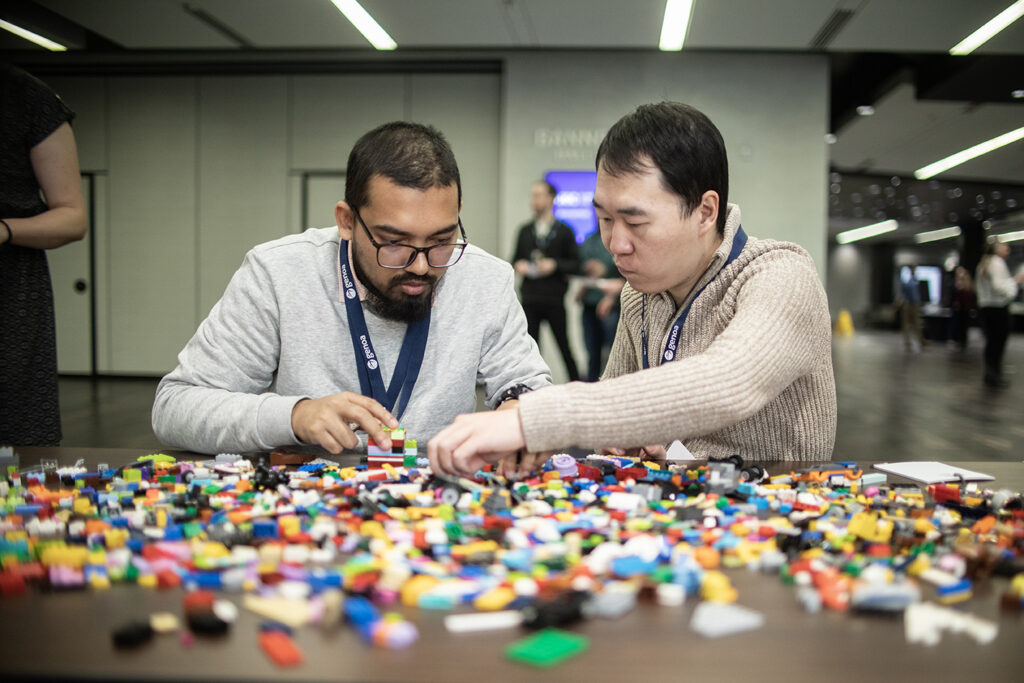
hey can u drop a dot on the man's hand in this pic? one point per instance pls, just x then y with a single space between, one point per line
474 440
522 267
328 421
605 306
654 452
546 266
513 466
594 268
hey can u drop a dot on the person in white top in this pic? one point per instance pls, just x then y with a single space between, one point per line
996 288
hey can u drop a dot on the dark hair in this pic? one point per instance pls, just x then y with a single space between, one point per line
547 186
679 141
409 154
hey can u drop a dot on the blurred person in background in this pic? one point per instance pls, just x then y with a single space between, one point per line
996 288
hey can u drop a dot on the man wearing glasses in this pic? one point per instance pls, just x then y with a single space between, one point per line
392 316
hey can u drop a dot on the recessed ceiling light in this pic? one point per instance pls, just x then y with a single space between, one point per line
952 160
32 37
936 235
366 24
991 28
865 110
867 231
674 25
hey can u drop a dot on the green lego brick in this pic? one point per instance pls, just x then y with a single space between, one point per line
547 648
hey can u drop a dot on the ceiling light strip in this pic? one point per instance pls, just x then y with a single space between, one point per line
32 37
365 24
673 27
990 29
936 235
1011 236
867 231
952 160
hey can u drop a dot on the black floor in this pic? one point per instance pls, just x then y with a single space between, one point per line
892 404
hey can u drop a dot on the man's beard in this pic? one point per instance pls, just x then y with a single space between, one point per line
405 308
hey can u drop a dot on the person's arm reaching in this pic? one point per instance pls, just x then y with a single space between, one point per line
55 164
775 337
216 399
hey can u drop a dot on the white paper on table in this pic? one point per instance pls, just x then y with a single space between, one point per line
677 451
931 472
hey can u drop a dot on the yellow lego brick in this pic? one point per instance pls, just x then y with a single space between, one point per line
717 588
289 526
147 580
115 538
416 586
64 556
373 529
468 549
495 599
214 549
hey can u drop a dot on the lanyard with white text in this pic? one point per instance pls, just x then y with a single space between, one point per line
396 397
673 336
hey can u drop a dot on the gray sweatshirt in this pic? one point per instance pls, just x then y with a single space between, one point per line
280 334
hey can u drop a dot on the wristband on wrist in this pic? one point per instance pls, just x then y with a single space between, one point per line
10 235
512 393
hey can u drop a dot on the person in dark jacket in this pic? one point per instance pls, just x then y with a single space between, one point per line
545 256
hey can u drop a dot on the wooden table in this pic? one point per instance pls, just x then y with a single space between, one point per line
68 635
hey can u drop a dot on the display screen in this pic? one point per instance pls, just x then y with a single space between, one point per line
929 282
574 200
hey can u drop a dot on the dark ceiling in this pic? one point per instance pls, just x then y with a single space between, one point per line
891 54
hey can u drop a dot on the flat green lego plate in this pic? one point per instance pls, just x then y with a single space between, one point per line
547 648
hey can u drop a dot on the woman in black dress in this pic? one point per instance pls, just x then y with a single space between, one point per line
41 207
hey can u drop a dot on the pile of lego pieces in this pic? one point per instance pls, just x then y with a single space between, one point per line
312 542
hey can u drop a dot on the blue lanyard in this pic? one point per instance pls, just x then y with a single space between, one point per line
410 358
738 241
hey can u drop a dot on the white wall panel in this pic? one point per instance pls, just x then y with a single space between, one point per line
467 109
331 112
152 229
242 173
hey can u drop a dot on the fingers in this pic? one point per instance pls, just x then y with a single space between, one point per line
369 415
531 462
656 452
325 421
475 439
440 448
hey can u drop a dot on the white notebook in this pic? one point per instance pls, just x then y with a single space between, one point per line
932 472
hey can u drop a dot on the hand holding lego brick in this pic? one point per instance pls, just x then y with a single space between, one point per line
475 440
328 421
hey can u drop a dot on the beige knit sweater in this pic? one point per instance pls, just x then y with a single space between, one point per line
752 375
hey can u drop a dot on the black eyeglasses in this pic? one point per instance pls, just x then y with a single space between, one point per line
403 255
